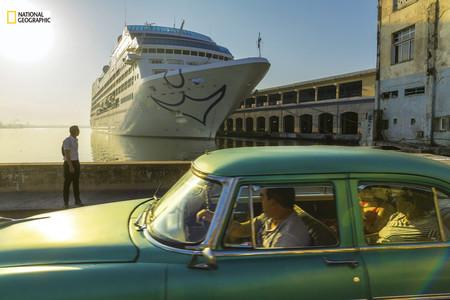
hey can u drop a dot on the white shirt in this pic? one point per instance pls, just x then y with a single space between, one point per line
71 143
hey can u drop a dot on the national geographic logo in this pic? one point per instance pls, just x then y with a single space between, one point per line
27 17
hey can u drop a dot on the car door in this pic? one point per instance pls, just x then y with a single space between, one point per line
407 254
332 271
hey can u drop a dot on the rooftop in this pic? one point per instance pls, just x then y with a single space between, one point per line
316 160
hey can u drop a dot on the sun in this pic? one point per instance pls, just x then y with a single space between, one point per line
24 42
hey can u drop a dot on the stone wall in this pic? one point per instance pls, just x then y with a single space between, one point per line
94 176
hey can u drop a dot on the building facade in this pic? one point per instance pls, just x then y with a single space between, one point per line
339 107
413 72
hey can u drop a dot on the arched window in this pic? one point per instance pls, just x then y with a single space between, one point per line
274 122
325 123
249 124
349 123
288 123
261 124
239 124
230 125
306 123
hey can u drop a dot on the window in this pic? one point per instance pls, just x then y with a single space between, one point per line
202 54
274 98
144 50
290 97
169 51
399 4
326 92
151 50
175 61
403 45
441 123
395 121
185 52
260 100
402 213
389 95
385 124
208 55
177 51
156 61
249 102
415 91
215 56
160 50
178 209
194 53
309 210
350 89
413 121
158 71
307 95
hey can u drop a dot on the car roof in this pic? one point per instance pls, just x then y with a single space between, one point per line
276 160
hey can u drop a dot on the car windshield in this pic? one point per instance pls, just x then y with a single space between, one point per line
175 220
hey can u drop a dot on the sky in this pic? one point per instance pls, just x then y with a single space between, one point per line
46 70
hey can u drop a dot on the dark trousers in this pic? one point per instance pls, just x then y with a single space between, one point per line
72 178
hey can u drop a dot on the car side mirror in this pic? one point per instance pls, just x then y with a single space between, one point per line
210 262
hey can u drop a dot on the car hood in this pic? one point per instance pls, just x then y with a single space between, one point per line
91 234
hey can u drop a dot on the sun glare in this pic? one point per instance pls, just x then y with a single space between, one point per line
24 42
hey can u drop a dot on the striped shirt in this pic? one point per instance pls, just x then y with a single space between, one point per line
401 230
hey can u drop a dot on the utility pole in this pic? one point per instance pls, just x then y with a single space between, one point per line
432 48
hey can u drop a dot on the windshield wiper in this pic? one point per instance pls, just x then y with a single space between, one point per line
5 222
140 221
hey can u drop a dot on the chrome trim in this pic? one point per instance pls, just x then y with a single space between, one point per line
252 215
162 246
244 252
236 252
438 212
405 247
417 297
218 222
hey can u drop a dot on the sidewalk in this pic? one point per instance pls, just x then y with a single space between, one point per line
21 204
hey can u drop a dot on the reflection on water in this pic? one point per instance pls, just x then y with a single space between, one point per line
35 145
108 147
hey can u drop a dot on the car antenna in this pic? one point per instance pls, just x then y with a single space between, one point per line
155 194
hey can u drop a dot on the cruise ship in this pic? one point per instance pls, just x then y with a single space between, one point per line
170 82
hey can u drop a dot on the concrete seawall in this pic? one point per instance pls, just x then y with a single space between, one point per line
49 177
28 189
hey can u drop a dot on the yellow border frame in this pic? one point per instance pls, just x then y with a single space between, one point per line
8 20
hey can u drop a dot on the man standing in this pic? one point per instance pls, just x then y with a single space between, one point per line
71 166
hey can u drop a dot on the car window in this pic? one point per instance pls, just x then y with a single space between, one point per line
283 216
443 200
175 218
401 213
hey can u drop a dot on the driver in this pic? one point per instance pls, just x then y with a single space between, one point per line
278 226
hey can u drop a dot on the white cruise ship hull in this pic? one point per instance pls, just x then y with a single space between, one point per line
189 102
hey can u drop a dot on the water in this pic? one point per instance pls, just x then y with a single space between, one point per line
36 145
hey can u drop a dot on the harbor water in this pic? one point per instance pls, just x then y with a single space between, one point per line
38 145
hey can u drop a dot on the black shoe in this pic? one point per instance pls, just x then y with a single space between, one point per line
79 204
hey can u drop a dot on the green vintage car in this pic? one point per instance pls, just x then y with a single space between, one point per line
350 223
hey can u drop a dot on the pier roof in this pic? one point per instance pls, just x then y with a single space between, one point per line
316 160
